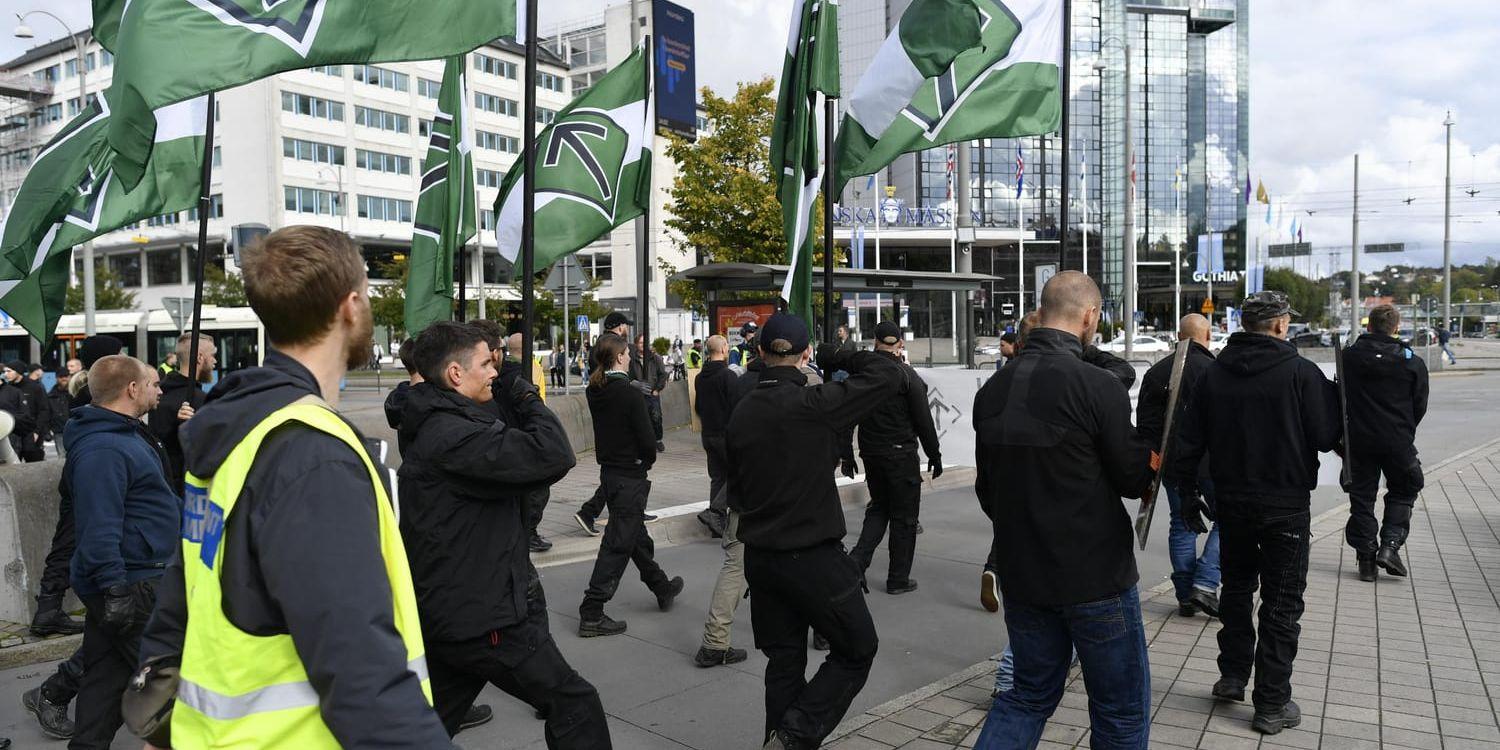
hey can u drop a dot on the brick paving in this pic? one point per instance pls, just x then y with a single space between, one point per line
1402 663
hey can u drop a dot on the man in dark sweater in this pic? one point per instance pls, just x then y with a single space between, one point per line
1387 393
1262 414
650 375
792 525
395 401
1055 453
180 397
712 405
34 400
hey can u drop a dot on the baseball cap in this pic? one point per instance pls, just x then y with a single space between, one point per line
1266 306
95 348
784 333
887 332
616 319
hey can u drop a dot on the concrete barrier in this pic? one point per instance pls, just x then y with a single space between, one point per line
28 516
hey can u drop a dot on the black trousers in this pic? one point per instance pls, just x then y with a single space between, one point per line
625 541
62 687
718 472
1267 548
791 591
55 573
593 506
525 662
1403 481
536 505
895 484
110 658
653 406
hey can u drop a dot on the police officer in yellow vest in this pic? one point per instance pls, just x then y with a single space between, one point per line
290 606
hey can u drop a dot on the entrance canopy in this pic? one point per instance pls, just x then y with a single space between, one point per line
757 277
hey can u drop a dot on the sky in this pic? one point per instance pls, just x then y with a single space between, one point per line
1327 79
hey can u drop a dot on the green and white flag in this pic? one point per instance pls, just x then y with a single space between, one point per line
171 50
445 207
106 28
809 75
593 168
1004 84
72 194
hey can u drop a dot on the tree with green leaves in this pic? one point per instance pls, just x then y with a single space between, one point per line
223 289
108 294
1306 295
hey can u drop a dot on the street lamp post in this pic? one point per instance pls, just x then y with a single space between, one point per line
24 32
1128 220
1448 225
338 200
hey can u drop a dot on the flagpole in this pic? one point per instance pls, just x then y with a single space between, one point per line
642 223
528 196
1084 189
205 203
1067 88
829 111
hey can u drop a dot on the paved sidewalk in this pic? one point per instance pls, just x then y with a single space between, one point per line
1403 663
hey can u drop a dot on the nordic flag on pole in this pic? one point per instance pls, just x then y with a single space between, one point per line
809 75
71 195
1020 171
445 205
955 70
593 168
171 50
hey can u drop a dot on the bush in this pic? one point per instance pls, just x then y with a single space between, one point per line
661 345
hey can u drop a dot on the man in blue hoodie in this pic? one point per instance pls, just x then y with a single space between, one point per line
127 519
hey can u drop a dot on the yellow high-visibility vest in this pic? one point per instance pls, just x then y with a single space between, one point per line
247 691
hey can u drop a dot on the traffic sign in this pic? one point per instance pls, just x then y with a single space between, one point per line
1208 307
178 308
583 324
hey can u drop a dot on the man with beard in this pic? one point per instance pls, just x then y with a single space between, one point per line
180 397
292 578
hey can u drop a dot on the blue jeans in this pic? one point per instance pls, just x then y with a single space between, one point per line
1005 673
1451 359
1191 570
1111 643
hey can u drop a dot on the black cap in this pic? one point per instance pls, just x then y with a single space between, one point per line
95 348
617 319
19 366
1266 306
887 332
786 333
748 329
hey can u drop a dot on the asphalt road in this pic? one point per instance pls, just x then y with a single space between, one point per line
657 699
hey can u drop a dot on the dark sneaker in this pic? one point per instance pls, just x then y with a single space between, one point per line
605 625
1272 721
475 716
55 622
1367 570
1186 609
919 527
586 523
906 587
649 517
539 544
708 657
713 522
1206 602
52 717
666 596
989 591
1229 689
819 642
1390 559
661 447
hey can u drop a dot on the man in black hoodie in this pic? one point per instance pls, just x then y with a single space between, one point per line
34 399
464 479
1261 414
712 404
1387 393
535 498
395 401
180 397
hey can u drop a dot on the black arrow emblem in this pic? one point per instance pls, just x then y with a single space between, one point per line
570 134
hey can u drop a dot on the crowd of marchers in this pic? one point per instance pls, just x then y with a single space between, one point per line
254 576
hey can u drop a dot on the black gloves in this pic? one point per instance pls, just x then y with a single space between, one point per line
848 468
1196 513
522 391
827 357
119 607
935 465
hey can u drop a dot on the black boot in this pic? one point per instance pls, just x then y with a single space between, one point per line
906 587
52 717
1229 689
51 620
1367 569
667 595
475 716
538 544
709 657
1206 602
1273 720
605 625
1390 559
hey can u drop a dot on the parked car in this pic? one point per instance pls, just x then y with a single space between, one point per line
1143 343
1310 339
1217 340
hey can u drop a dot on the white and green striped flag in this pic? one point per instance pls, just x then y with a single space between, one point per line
72 194
593 168
171 50
444 219
936 81
809 76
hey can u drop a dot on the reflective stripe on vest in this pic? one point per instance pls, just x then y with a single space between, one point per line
246 691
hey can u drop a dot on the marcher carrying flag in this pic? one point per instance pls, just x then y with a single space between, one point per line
171 50
809 76
593 168
955 70
445 205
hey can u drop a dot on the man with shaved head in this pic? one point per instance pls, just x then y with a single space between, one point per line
1195 576
712 404
1055 453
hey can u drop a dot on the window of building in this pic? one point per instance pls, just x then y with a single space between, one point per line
600 266
384 209
18 159
584 81
489 177
317 153
215 208
73 105
424 127
311 106
49 74
428 88
164 220
313 201
381 119
550 82
164 266
545 116
386 79
376 161
126 268
496 142
495 66
497 104
218 156
486 221
46 115
328 70
106 58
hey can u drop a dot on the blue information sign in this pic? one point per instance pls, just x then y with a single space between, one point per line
583 323
676 80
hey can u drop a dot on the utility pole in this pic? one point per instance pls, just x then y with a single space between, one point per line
1354 298
642 226
964 261
1448 225
1128 222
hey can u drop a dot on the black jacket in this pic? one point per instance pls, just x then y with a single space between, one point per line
463 480
785 493
1151 406
58 406
895 427
176 390
37 404
713 399
13 400
302 557
1055 452
510 371
395 405
1386 393
745 383
1262 413
652 371
623 438
1122 370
